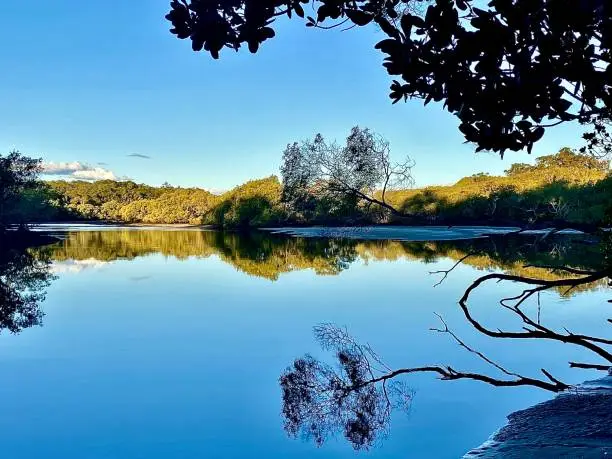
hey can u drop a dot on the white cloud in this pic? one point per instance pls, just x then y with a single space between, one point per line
97 173
78 170
77 266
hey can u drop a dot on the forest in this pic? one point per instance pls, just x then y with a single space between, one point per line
565 188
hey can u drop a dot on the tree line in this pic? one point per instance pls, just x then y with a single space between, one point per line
324 183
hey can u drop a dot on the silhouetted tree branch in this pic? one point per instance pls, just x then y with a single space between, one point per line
446 272
508 70
536 331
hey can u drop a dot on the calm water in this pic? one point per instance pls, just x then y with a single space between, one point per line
169 344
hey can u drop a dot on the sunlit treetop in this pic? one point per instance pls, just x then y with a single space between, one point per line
508 69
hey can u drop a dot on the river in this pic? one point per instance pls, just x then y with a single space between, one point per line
170 343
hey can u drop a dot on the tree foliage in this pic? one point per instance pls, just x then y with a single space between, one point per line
562 188
567 158
507 70
253 204
325 183
18 176
358 172
24 276
130 202
599 140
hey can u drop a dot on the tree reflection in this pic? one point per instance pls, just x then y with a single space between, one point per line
257 254
353 397
24 276
320 400
269 256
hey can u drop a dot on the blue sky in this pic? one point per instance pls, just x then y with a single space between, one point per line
94 82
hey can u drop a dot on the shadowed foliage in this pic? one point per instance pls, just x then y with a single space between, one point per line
253 204
320 401
24 276
18 183
508 70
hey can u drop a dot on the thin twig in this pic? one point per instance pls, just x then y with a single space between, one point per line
446 272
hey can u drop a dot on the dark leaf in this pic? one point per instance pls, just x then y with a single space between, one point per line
387 27
359 17
537 134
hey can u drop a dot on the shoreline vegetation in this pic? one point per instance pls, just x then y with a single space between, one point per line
563 190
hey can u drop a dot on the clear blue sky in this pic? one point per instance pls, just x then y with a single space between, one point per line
96 81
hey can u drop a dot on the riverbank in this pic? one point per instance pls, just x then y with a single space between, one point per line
544 226
573 424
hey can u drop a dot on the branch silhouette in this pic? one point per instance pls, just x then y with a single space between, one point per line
319 400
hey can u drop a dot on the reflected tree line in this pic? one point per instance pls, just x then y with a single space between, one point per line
26 272
268 255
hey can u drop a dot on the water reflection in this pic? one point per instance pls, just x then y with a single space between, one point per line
208 335
355 397
268 256
24 274
24 277
321 400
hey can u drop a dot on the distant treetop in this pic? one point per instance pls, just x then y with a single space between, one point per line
565 158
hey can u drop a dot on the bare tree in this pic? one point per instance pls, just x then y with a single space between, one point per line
361 170
560 208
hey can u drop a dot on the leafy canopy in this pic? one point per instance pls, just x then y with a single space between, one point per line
508 70
354 172
352 182
565 158
18 174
